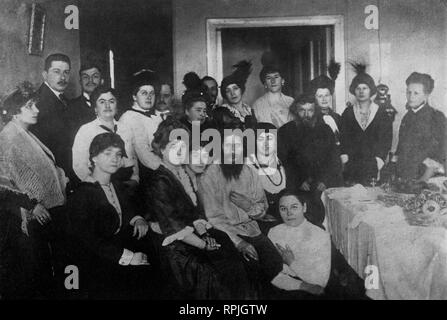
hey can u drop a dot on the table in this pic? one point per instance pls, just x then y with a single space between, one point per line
411 261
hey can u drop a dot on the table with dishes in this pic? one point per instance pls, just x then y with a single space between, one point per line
396 242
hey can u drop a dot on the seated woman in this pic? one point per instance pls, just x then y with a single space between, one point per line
271 172
203 260
421 150
28 165
310 256
232 90
116 251
106 104
194 100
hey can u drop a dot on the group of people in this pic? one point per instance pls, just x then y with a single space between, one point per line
143 214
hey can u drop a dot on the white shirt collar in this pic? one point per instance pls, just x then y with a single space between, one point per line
138 108
161 112
418 108
56 93
87 97
100 122
373 107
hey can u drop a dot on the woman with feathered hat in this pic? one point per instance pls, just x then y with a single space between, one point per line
322 89
366 132
232 90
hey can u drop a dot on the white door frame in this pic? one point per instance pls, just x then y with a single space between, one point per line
214 42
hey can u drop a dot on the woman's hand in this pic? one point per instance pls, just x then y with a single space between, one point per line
286 253
312 288
138 259
321 187
241 201
140 228
305 186
247 250
41 214
210 243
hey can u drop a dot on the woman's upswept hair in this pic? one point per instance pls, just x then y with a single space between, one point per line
103 141
301 196
161 136
22 96
101 90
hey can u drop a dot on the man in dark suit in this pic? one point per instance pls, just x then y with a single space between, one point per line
81 109
53 127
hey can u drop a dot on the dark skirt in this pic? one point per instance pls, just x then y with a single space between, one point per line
200 274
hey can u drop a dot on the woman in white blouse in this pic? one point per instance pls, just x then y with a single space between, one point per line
270 169
105 102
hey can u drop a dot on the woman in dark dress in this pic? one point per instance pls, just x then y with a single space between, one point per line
115 249
421 150
366 133
204 261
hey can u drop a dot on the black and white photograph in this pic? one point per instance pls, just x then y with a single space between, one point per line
223 155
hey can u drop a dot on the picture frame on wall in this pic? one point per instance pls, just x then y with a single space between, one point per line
36 34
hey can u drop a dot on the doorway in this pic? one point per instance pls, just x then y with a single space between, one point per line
304 45
137 32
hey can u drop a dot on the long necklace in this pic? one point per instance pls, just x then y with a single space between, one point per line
278 166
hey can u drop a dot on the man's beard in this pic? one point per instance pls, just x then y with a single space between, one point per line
309 122
231 171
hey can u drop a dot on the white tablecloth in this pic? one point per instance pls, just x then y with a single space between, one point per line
411 260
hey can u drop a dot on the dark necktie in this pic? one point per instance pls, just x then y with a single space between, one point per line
63 99
108 129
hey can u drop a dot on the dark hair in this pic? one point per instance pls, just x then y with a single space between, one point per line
208 78
268 70
56 57
161 136
99 91
195 90
103 141
264 127
300 101
90 65
166 83
219 114
300 196
425 79
145 77
23 95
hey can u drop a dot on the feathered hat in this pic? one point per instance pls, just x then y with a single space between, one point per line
361 78
195 90
325 82
239 77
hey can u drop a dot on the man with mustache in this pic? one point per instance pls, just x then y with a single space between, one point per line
316 165
81 109
54 127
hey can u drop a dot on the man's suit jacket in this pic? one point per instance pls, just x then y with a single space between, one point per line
54 128
80 113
